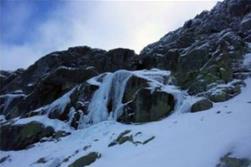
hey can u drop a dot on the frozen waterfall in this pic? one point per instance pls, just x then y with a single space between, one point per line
110 93
106 103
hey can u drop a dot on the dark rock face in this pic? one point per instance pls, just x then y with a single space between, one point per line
143 104
17 137
119 59
203 104
78 105
55 85
148 106
56 73
206 49
73 104
9 77
86 160
133 85
246 23
76 57
9 105
3 76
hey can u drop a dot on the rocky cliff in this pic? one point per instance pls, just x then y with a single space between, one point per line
83 86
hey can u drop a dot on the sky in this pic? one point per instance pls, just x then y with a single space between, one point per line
30 29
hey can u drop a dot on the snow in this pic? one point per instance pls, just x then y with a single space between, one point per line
247 60
56 124
18 91
30 84
218 88
98 79
185 139
90 68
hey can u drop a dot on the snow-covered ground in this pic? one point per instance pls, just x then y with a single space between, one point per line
183 139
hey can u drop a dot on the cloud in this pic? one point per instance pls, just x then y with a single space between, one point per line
103 25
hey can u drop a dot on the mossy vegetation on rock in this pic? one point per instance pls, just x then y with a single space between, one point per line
86 160
18 137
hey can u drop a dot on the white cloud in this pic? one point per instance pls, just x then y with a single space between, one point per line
104 25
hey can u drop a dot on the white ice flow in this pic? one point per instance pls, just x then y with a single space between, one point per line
111 90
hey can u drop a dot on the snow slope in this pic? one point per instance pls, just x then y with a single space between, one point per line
183 139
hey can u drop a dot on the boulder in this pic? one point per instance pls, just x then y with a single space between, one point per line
133 85
18 137
148 106
203 104
86 160
224 93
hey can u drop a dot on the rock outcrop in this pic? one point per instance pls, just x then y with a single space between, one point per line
146 105
203 104
17 137
206 49
86 160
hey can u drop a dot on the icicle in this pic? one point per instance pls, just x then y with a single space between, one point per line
120 79
97 109
111 90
